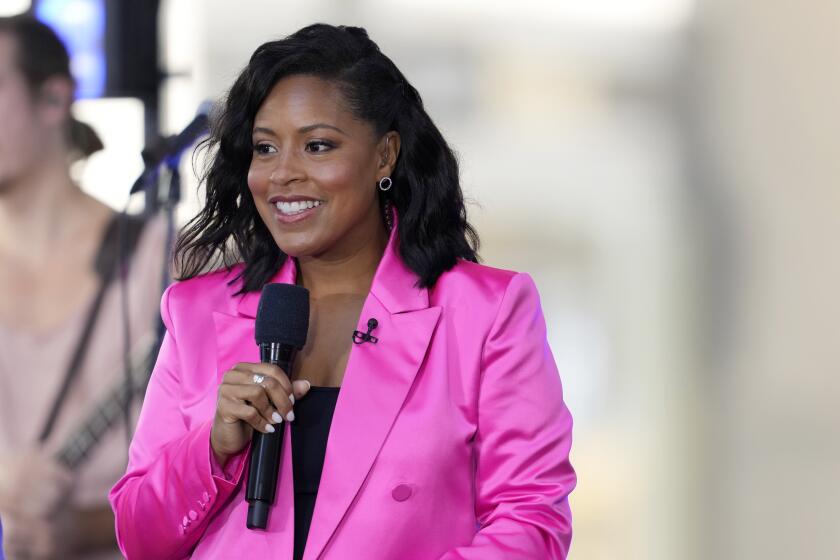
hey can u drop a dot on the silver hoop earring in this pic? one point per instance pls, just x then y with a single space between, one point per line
383 186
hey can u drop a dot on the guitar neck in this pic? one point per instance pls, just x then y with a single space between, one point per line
110 409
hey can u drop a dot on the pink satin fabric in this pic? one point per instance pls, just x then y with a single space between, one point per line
450 437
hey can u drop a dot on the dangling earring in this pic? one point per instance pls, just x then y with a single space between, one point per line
385 184
387 213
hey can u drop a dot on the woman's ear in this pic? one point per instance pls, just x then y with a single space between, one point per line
389 150
54 99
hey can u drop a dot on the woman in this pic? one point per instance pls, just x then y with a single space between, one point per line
448 437
54 250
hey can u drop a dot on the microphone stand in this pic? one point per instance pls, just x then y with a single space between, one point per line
166 153
163 151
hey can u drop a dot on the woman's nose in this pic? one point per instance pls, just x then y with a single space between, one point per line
288 169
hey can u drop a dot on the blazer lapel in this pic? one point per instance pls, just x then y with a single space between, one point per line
234 342
235 333
376 382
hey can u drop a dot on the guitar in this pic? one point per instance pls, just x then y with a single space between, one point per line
111 408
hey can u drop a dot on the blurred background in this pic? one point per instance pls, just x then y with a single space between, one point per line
667 171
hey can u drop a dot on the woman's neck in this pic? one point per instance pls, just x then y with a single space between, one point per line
349 272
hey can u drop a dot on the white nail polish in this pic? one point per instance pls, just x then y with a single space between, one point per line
276 417
290 416
269 428
292 398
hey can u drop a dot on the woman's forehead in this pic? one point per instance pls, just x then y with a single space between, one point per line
300 101
310 93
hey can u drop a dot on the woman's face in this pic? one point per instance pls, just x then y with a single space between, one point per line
314 170
18 137
31 123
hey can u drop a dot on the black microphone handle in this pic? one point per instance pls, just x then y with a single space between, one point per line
264 464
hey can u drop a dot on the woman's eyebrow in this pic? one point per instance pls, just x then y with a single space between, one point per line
301 130
263 130
311 127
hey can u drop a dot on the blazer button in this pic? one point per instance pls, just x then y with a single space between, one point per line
401 493
186 521
205 497
193 515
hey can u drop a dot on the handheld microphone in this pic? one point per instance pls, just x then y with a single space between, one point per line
280 331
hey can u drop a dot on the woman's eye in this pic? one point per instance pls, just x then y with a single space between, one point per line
262 148
318 146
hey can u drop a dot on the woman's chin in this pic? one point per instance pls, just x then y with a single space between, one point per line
294 252
298 248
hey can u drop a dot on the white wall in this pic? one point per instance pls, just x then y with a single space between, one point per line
767 90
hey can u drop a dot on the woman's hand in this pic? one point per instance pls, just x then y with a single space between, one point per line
244 405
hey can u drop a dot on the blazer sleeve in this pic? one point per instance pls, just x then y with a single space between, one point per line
523 475
172 485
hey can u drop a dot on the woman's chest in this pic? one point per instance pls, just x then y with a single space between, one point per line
323 360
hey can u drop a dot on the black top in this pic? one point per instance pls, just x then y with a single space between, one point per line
313 416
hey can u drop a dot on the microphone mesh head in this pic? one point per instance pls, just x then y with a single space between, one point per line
283 315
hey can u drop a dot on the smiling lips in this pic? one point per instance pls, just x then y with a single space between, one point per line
296 207
296 210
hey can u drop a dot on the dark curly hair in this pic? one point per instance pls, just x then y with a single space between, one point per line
433 231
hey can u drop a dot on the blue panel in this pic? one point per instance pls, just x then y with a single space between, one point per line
81 25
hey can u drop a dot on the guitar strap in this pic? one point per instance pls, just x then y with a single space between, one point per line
115 249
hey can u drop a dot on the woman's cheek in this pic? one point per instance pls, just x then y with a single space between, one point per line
334 178
257 179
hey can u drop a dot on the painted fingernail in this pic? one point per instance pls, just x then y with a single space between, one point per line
269 428
290 416
292 398
276 417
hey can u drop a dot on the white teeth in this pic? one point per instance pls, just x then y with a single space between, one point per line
297 206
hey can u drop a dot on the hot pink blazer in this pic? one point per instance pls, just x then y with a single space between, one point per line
450 437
